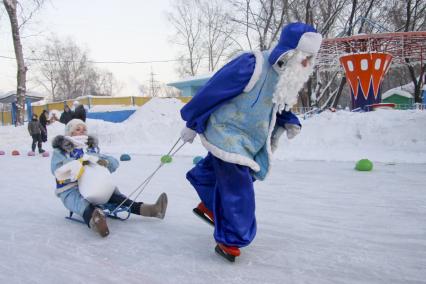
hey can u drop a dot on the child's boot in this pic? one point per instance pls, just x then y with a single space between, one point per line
157 210
98 223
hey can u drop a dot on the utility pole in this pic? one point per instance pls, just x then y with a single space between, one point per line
153 84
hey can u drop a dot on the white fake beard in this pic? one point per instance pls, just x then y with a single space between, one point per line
291 80
79 142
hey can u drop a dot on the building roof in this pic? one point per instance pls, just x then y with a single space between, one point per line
10 97
195 81
398 92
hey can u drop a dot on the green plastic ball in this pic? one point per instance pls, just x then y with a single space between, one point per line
196 159
364 165
166 159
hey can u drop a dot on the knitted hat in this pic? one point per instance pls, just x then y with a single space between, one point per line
72 126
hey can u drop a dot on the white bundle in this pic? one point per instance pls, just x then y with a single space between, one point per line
96 184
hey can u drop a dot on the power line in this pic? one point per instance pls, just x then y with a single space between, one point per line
98 62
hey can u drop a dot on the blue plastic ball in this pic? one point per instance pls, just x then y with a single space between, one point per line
197 159
125 157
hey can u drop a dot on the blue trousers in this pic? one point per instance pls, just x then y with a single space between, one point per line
227 190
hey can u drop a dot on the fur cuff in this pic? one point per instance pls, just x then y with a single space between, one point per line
92 142
59 142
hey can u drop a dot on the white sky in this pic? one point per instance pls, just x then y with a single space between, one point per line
128 30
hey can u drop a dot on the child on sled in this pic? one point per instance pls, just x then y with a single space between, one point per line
71 156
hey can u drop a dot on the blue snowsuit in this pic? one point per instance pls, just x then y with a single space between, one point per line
67 190
236 119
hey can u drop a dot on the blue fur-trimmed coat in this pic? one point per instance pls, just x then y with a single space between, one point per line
67 162
234 113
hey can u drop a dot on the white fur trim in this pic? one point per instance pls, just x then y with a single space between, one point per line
310 42
286 56
229 157
268 140
256 73
79 142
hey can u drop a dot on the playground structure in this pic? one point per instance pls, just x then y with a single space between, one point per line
366 59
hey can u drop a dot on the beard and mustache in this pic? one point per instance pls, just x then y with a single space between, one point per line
292 77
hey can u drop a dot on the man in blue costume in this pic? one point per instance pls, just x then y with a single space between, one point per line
239 115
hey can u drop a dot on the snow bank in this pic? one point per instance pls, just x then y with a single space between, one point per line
104 108
383 135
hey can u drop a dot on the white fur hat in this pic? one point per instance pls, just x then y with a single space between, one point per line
72 125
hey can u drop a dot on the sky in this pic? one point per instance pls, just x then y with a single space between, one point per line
129 30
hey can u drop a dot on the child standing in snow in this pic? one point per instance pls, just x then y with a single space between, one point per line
44 121
68 165
239 114
35 130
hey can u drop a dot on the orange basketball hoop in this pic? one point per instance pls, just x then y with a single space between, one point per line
367 58
365 72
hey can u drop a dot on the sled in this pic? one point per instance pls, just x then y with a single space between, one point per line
122 213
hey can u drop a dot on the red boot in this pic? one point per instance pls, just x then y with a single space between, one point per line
204 213
228 252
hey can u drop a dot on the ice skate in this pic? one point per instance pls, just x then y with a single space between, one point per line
227 252
204 213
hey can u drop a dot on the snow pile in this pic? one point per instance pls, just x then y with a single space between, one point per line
383 135
105 108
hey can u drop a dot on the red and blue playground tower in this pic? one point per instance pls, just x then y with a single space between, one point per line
365 72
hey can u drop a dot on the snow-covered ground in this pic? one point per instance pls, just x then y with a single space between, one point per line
319 220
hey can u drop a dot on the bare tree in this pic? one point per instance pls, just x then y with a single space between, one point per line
15 11
218 31
415 17
48 75
258 24
260 19
186 19
101 82
66 72
406 16
72 62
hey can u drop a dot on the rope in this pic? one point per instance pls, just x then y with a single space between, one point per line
143 185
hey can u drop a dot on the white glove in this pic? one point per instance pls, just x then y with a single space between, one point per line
71 170
90 158
292 130
187 135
